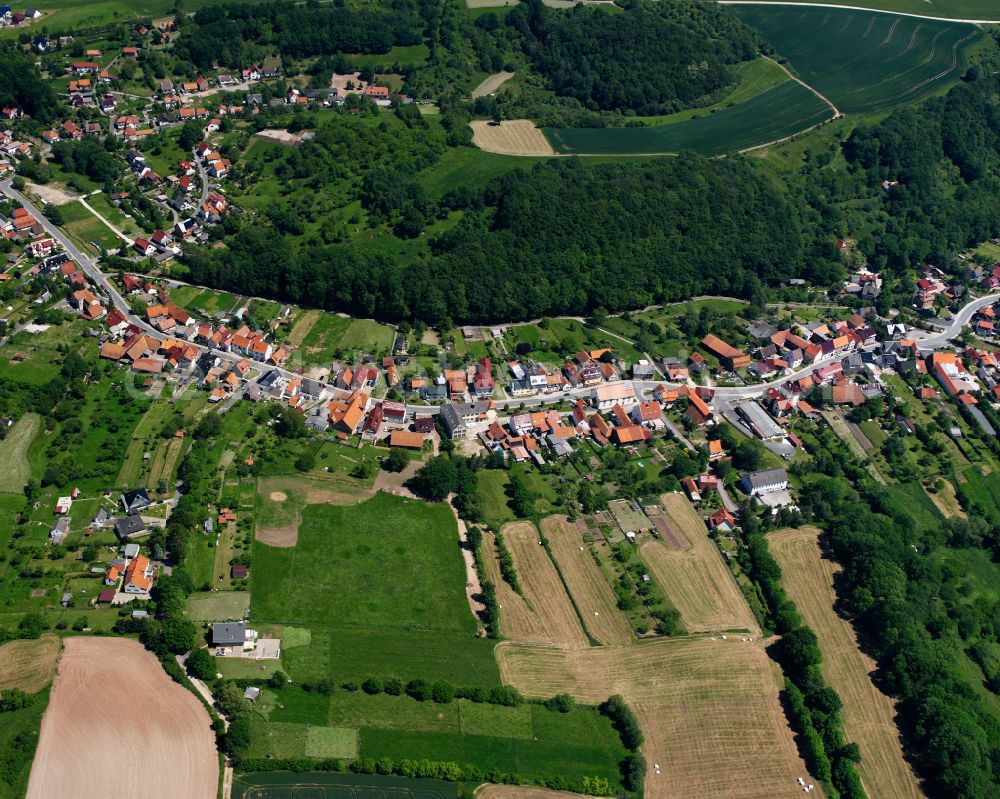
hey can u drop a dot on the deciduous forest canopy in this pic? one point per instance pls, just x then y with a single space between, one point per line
651 59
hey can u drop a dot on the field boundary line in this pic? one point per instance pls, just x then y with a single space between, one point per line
856 8
836 111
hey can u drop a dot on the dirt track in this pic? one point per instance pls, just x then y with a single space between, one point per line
116 725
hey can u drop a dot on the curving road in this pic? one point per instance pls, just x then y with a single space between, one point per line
927 343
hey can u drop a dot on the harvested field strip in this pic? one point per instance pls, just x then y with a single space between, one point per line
86 737
518 622
29 665
695 579
590 590
542 587
14 454
512 137
302 327
700 701
867 713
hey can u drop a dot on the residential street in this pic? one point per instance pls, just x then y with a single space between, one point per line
725 395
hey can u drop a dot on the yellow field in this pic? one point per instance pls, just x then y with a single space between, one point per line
587 583
709 710
696 579
867 713
29 665
518 622
510 137
542 587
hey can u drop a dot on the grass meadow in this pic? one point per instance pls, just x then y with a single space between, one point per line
14 453
386 563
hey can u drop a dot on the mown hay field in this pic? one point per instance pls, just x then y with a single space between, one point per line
518 622
29 665
543 590
14 453
864 61
696 579
510 137
587 584
774 114
867 713
709 709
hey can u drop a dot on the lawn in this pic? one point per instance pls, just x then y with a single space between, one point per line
864 61
776 113
218 605
316 337
372 337
389 563
14 453
86 228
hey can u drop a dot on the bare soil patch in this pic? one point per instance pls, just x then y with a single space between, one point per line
587 584
116 718
281 499
696 579
542 587
510 137
491 84
946 501
868 714
281 136
29 665
709 709
51 193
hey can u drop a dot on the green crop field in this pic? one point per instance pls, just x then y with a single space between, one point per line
289 784
951 9
774 114
864 61
388 562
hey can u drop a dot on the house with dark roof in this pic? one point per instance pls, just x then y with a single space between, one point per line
136 500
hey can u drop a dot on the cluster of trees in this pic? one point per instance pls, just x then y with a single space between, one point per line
87 156
654 58
235 35
506 562
22 86
491 616
627 725
566 237
905 604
